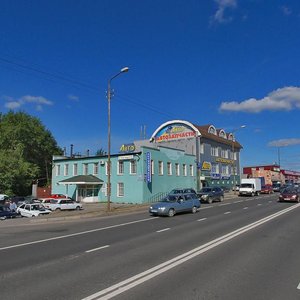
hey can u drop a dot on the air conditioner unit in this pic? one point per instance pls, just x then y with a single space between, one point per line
102 162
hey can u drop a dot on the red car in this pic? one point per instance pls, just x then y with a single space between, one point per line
55 196
266 189
289 194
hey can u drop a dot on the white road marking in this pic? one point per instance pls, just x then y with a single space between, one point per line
92 250
227 212
238 201
246 207
203 219
270 201
133 281
298 287
162 230
259 204
206 207
78 233
225 204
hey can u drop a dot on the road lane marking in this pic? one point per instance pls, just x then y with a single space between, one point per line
203 219
259 204
225 204
298 287
140 278
227 212
206 207
238 201
76 234
246 207
162 230
95 249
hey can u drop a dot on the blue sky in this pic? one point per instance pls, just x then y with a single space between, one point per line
222 62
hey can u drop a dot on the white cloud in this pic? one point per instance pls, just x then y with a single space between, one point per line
286 98
223 5
39 101
73 97
284 143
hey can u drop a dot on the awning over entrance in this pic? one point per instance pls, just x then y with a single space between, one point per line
82 179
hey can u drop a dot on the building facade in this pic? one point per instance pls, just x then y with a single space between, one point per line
179 154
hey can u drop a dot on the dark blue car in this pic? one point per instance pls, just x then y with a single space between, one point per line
6 213
173 204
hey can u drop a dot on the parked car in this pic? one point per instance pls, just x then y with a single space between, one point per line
236 188
266 189
58 196
210 194
172 204
289 194
182 191
6 213
32 210
276 186
225 189
63 204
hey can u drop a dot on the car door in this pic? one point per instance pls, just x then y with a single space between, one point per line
26 211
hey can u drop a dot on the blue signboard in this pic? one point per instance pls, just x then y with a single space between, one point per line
148 167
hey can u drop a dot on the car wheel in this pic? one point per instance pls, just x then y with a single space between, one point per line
252 194
58 209
194 209
77 207
209 200
171 212
3 218
221 198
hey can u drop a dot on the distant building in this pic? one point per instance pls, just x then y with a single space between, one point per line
272 173
179 154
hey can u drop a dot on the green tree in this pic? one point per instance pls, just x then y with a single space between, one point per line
25 144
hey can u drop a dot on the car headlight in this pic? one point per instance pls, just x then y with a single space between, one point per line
161 208
294 196
204 196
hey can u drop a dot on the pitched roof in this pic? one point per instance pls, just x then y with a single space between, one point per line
82 179
204 132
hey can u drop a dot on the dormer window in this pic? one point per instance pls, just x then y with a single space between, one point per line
212 130
230 136
222 134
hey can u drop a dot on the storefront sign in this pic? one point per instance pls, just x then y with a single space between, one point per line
127 148
215 175
224 160
174 132
206 166
125 157
148 168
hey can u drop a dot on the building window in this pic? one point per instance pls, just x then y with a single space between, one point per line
120 167
215 168
214 151
133 167
57 170
85 169
191 170
234 156
202 148
120 189
169 168
160 168
96 168
75 169
184 172
152 167
66 169
177 171
225 170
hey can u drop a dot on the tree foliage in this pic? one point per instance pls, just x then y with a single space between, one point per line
26 149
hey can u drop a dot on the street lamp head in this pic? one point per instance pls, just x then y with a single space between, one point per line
125 69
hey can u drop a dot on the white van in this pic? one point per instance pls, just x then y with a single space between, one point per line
3 197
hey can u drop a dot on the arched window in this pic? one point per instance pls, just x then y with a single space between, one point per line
212 130
230 136
222 134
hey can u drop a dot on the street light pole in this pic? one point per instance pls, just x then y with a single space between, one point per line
124 70
233 161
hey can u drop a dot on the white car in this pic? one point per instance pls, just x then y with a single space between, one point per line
63 204
32 210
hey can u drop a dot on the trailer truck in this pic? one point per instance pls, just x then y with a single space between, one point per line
250 186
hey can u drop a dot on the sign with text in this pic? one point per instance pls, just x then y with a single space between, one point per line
148 168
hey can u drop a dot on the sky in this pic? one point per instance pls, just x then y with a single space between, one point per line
227 63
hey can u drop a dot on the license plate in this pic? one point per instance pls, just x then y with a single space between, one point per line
153 211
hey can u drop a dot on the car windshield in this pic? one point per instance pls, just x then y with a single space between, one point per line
36 207
246 185
205 190
169 198
176 192
289 191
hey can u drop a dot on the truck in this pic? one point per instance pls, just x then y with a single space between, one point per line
250 186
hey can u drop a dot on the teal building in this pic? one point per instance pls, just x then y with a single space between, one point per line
179 154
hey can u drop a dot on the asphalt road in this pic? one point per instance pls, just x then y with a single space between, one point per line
244 248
